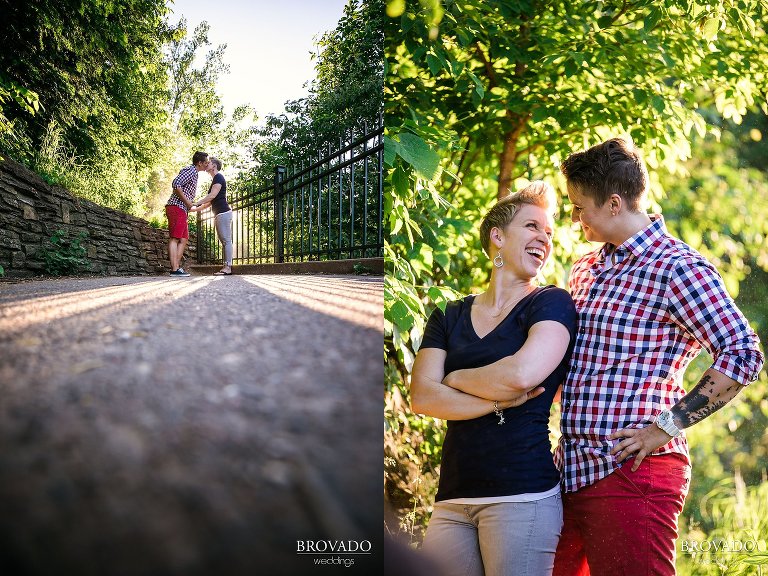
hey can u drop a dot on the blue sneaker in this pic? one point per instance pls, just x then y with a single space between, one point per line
179 272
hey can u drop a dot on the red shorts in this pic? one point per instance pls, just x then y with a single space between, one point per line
177 221
625 523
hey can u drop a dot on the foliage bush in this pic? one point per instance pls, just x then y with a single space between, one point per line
737 542
64 255
361 269
483 96
158 223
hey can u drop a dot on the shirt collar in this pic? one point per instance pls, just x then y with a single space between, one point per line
643 240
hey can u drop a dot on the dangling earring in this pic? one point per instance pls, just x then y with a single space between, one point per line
498 261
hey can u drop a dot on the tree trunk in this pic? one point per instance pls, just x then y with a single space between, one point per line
509 156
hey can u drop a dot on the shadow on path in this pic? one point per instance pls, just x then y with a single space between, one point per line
189 426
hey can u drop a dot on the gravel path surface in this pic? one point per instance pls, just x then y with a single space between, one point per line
189 426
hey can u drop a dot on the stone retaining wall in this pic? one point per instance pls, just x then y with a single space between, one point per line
32 210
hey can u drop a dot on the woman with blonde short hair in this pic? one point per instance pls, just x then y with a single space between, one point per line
490 365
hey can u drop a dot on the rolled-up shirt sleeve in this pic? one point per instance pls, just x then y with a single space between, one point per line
699 304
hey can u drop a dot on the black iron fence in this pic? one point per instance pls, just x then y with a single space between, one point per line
325 209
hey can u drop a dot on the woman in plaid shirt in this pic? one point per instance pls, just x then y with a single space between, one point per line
647 304
177 207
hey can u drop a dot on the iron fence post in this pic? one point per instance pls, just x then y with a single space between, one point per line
279 177
199 244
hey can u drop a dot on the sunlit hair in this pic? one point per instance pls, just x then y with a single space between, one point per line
216 162
613 167
537 193
199 157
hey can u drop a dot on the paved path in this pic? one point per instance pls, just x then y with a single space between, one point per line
191 426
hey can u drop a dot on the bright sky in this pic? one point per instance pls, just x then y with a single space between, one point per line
268 45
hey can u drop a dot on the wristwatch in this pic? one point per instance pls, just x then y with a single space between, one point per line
665 422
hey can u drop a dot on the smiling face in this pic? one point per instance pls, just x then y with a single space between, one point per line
595 220
526 242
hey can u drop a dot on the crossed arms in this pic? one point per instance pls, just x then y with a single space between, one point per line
470 393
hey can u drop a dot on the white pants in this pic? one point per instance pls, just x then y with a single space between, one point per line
223 224
506 539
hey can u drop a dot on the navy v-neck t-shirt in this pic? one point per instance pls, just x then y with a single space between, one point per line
480 457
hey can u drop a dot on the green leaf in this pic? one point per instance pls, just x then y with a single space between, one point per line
604 21
390 151
443 259
710 28
540 114
388 203
652 19
401 316
441 295
756 559
465 39
417 153
457 67
479 89
434 64
658 103
423 253
400 182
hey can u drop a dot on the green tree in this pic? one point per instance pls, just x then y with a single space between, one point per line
95 68
105 98
194 105
345 96
24 98
484 95
504 77
347 89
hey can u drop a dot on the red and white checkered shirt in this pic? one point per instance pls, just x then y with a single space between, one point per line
187 181
642 320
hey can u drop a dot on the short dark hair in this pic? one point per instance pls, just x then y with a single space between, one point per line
613 167
199 157
215 161
537 193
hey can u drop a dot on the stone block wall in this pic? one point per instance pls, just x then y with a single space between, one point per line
32 210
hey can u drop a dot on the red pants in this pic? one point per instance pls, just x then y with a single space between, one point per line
177 221
625 523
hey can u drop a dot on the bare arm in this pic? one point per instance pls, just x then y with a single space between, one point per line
198 207
214 191
431 397
713 391
521 372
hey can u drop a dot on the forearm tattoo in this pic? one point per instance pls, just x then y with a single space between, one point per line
702 401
